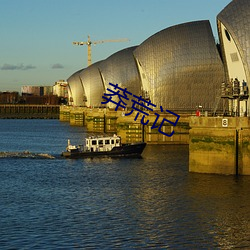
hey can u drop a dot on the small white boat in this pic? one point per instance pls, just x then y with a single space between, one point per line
103 146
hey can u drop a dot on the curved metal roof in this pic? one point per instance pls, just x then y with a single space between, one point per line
76 90
180 66
236 18
120 68
93 85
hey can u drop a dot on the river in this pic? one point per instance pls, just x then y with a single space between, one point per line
48 202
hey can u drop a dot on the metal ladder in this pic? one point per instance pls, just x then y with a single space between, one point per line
217 101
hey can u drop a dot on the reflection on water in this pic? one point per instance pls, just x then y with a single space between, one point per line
107 203
224 201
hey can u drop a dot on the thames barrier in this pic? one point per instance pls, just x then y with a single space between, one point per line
219 145
182 69
109 121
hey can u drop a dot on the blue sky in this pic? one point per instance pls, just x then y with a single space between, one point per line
36 35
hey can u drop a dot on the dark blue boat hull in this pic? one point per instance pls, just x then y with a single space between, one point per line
126 150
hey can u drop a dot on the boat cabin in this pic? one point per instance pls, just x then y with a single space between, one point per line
102 143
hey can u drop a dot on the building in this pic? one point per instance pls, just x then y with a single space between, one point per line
120 68
9 97
37 90
234 33
60 89
179 68
93 86
38 95
76 92
88 85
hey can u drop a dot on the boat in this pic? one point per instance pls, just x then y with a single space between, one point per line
104 146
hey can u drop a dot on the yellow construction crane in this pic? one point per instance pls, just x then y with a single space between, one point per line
89 43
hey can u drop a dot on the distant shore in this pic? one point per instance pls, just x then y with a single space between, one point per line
24 111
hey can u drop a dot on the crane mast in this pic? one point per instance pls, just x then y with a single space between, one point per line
89 43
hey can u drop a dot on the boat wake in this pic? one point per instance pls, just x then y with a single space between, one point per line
26 154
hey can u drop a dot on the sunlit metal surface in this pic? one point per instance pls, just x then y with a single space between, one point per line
234 28
180 66
93 85
236 18
120 68
76 91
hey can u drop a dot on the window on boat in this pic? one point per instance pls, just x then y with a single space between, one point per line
112 141
93 142
117 141
100 142
107 142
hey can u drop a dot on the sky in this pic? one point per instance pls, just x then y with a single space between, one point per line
36 35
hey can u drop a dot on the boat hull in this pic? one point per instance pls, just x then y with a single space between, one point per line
126 150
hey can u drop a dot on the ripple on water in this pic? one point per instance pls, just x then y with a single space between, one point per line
145 203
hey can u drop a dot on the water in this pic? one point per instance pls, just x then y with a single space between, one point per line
148 203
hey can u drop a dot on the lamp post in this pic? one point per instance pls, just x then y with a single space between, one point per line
201 107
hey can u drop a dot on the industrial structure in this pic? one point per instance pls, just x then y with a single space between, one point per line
234 33
89 43
179 68
75 90
92 92
159 70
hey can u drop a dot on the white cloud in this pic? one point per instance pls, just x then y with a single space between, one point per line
57 66
21 66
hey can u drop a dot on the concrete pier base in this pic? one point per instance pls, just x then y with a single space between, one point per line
219 145
64 113
102 120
